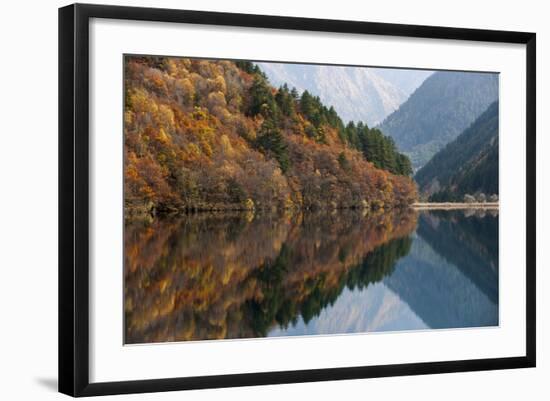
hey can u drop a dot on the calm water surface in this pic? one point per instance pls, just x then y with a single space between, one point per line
245 275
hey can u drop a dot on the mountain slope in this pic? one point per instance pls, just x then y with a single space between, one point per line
215 135
439 110
469 164
357 94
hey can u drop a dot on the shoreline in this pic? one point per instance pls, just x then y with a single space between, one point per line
454 205
131 214
138 214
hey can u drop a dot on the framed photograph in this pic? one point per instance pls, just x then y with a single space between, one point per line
250 199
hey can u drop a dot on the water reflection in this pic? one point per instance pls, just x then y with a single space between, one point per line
214 276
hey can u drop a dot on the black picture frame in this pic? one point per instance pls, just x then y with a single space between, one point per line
74 198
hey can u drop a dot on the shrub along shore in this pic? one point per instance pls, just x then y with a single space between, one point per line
454 205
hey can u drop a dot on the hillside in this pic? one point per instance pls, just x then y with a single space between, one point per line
215 135
438 111
468 165
365 94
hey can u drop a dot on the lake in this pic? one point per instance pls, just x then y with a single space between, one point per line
249 275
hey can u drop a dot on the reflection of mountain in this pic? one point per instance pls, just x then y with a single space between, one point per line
477 253
450 277
378 309
232 276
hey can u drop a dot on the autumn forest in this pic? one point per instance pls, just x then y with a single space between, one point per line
215 135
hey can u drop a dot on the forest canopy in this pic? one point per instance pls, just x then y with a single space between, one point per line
215 135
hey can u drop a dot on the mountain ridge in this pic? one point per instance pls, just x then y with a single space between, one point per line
440 109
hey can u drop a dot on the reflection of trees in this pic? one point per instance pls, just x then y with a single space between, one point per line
211 276
284 309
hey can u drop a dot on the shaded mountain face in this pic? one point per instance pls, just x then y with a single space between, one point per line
357 94
438 111
467 165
